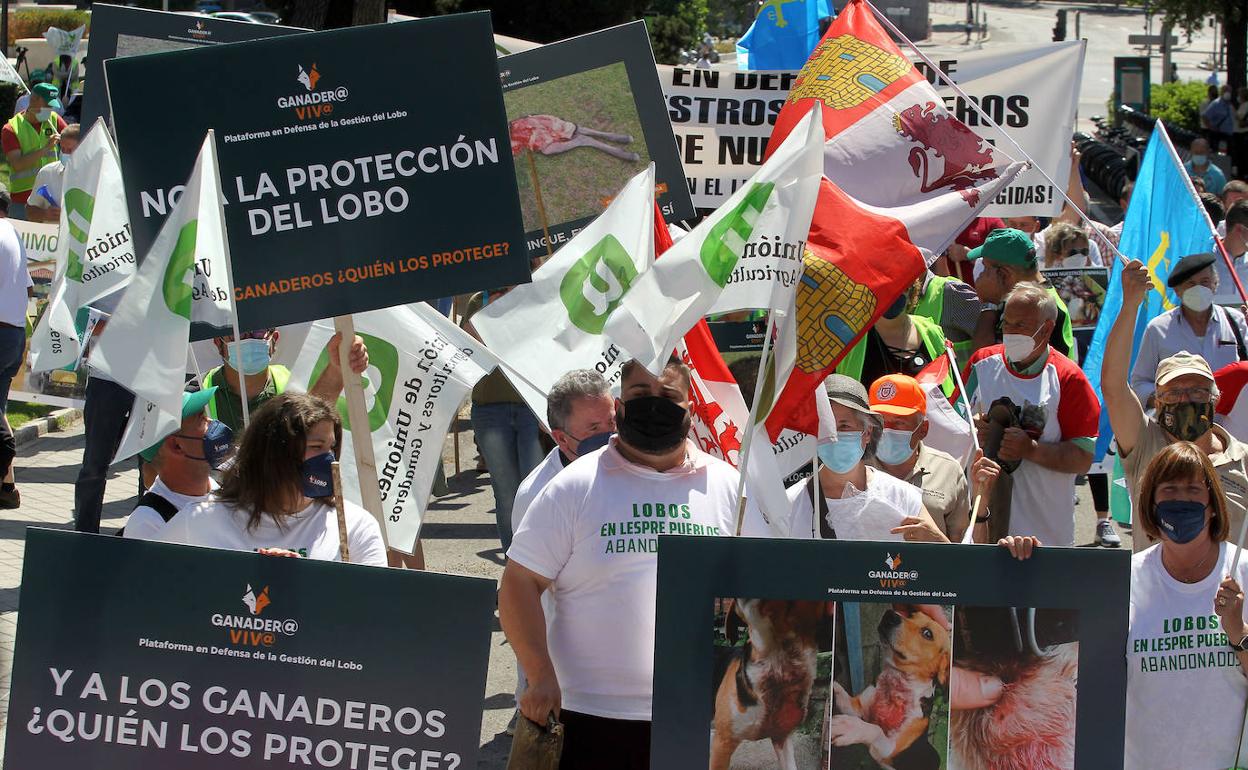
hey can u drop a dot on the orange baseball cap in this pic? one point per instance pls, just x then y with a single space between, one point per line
897 394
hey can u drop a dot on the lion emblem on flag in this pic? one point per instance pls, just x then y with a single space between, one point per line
967 158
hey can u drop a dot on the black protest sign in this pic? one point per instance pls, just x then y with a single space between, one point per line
348 186
586 115
145 655
118 31
841 617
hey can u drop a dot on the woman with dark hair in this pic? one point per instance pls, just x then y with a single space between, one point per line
277 496
1187 631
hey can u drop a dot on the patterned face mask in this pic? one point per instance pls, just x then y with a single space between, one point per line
1186 421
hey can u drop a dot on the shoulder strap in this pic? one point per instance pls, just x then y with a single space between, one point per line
821 511
1240 349
166 509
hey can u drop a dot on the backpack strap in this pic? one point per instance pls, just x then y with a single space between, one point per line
1240 349
820 511
166 509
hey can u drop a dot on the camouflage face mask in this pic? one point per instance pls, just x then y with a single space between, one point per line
1186 421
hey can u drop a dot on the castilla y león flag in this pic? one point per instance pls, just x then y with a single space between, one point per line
902 177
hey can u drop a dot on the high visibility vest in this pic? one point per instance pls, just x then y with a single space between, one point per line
932 306
932 337
279 374
1068 332
29 139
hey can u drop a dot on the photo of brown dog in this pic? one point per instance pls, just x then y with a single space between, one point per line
1035 654
890 702
773 665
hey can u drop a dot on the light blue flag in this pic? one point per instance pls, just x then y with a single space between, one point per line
1164 222
782 35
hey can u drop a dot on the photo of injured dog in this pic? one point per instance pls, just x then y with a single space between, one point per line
1034 654
890 694
773 665
576 140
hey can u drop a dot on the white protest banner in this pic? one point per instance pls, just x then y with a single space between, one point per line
722 119
9 75
421 368
41 240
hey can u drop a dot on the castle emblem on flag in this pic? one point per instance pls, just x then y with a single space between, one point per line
844 71
831 308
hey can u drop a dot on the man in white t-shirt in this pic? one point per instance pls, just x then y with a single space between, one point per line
184 462
590 538
15 290
44 203
1055 416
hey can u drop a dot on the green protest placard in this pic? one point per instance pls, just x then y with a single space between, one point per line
132 654
353 179
811 648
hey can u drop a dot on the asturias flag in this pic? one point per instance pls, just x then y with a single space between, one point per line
1163 223
782 35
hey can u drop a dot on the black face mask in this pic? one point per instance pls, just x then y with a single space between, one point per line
652 425
1186 421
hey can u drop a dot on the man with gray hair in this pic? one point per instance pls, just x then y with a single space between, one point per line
1041 413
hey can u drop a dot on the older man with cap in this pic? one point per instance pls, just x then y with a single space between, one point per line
1197 325
1186 395
184 462
1047 411
902 405
30 140
1009 258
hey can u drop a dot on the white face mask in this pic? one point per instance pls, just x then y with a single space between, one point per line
1198 298
43 114
1199 160
1018 346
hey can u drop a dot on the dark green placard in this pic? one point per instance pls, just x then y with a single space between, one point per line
154 622
362 168
693 571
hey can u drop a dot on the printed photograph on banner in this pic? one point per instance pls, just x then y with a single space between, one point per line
772 676
586 115
575 140
890 685
1083 290
1035 653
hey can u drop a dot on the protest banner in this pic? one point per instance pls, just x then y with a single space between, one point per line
1035 619
586 115
722 119
118 31
342 195
1083 289
41 241
142 655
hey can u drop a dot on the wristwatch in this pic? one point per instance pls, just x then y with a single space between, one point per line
1238 647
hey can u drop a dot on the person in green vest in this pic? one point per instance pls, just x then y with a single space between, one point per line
30 140
953 305
899 343
1009 259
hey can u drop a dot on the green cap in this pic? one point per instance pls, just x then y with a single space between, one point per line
47 91
1007 246
193 402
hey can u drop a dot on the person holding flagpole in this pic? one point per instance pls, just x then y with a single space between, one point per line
30 140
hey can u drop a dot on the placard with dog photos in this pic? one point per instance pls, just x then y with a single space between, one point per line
825 654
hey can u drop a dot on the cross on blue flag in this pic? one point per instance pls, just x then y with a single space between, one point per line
782 35
1164 222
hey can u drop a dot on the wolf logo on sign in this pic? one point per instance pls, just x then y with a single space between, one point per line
256 602
892 562
309 77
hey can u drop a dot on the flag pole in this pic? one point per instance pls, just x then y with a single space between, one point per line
344 550
978 503
541 207
753 419
229 272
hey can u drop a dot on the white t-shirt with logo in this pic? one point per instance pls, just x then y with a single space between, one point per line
867 515
1185 687
145 522
312 532
594 531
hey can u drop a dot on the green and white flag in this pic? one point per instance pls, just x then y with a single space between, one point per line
421 369
555 324
144 346
9 75
95 257
773 209
65 42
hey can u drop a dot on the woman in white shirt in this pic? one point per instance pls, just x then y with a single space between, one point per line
1185 645
277 495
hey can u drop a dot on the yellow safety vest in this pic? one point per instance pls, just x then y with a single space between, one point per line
279 374
29 139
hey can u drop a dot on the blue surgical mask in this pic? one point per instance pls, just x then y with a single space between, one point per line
894 447
842 455
249 356
1200 160
593 443
317 474
1180 520
216 442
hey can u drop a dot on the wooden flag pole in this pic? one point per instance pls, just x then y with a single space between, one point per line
361 436
541 207
229 276
344 550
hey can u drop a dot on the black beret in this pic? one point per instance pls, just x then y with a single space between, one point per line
1189 266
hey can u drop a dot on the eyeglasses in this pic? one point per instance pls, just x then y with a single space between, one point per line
1181 395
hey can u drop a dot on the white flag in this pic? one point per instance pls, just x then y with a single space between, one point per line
95 257
9 75
774 207
555 324
144 347
421 368
65 42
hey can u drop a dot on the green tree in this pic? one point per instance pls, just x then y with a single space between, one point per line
1178 104
676 25
1232 15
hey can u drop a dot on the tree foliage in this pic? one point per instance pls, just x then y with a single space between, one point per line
1178 104
1191 15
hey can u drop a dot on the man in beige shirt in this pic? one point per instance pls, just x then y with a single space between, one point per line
1186 396
901 453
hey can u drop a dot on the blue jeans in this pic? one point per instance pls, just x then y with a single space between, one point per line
507 435
12 349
